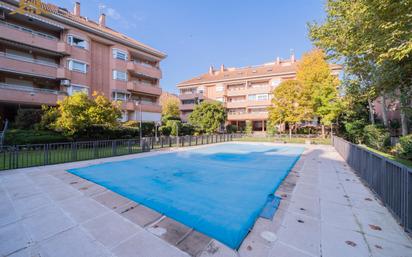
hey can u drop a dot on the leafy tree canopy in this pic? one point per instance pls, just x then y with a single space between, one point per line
208 116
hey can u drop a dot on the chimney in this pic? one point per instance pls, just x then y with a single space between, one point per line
76 10
292 56
211 70
102 20
278 60
222 68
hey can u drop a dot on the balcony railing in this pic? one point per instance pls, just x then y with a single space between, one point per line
26 59
31 89
27 30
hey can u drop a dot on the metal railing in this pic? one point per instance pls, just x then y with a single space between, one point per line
27 30
390 180
24 156
31 89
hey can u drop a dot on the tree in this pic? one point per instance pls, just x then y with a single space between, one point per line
170 107
78 113
367 34
290 104
319 87
208 116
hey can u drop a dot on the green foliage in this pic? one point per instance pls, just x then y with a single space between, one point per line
290 104
354 130
170 107
27 118
404 148
165 130
48 118
175 127
231 128
78 113
249 127
147 127
102 132
376 137
187 129
207 117
23 137
271 129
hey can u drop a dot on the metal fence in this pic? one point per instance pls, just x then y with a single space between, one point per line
390 180
24 156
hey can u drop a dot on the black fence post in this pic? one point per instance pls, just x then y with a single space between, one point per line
114 148
46 154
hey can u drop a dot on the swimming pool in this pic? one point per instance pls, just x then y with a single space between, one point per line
218 190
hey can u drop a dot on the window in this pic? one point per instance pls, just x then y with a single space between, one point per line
77 88
258 97
77 66
77 42
220 99
119 75
118 96
120 54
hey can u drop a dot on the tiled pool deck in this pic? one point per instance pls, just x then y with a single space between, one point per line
326 211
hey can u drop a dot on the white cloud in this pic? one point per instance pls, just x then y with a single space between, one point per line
112 13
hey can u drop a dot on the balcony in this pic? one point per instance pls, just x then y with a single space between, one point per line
30 37
21 64
29 95
260 90
132 105
247 116
236 104
186 107
237 92
259 103
190 96
144 69
146 88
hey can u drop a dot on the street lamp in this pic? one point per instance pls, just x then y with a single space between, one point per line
138 103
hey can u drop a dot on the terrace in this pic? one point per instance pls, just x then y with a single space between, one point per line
326 210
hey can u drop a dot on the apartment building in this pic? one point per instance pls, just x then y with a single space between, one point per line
246 93
44 58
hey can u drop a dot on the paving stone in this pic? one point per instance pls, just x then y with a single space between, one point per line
22 191
82 208
217 249
25 206
46 222
254 245
110 229
70 243
338 242
306 206
111 200
383 248
139 214
7 213
61 192
146 245
13 239
301 232
173 230
91 189
282 250
194 243
339 216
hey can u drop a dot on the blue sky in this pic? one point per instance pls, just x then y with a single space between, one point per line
196 34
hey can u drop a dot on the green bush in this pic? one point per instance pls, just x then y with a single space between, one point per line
175 126
147 127
165 130
27 118
403 149
231 128
23 137
376 137
187 130
249 127
354 131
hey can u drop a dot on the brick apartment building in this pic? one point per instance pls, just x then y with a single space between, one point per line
44 58
246 93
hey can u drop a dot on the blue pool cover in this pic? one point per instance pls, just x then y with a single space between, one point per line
219 190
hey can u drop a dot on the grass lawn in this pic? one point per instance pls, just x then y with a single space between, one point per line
389 156
298 140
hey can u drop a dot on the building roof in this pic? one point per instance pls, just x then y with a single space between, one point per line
56 11
270 69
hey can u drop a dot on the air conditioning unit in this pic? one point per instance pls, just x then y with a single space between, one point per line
65 82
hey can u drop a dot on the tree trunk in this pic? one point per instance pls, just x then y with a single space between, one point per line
404 122
371 112
323 131
384 111
290 132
